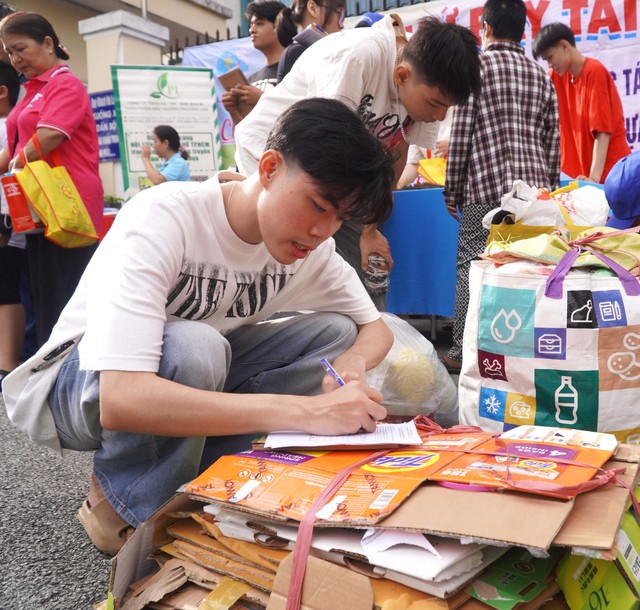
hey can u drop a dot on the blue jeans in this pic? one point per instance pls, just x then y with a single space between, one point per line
139 472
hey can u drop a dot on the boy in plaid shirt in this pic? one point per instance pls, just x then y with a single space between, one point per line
508 132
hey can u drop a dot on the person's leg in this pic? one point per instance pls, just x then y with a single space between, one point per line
139 472
472 240
11 311
11 335
55 273
30 344
282 356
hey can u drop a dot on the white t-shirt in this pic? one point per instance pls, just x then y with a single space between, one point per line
171 255
355 67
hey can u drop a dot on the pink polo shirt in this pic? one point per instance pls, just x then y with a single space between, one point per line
56 99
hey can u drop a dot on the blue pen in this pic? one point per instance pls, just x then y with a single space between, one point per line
327 367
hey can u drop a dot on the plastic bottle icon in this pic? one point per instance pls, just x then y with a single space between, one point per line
566 401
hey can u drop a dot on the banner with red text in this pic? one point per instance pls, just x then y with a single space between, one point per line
604 29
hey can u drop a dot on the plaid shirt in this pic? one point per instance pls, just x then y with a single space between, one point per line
510 132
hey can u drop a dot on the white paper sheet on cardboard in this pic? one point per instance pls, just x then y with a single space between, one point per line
389 552
384 435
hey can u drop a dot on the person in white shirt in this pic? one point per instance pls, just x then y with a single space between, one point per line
168 341
399 87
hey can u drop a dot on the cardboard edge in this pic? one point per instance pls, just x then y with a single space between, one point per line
327 586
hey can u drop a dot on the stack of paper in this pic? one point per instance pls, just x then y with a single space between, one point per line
435 565
201 563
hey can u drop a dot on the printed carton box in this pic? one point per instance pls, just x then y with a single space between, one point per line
598 584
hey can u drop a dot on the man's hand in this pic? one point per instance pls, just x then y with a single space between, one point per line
441 150
15 164
248 94
350 367
346 410
452 208
229 100
4 240
374 242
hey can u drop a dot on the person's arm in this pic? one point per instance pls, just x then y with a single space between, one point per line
464 119
409 174
230 102
600 149
372 344
442 149
371 240
599 97
5 157
152 173
248 95
551 136
48 139
374 242
5 234
144 403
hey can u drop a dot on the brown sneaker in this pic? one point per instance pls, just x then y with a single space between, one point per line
105 527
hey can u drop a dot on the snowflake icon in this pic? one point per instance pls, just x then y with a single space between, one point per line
492 404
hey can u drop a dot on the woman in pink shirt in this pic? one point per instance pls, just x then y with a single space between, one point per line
55 109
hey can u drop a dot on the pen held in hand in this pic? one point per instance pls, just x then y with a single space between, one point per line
334 374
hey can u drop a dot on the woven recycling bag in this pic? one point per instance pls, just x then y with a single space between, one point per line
552 350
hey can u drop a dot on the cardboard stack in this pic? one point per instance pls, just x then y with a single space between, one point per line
385 539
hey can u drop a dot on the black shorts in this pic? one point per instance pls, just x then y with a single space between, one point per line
11 262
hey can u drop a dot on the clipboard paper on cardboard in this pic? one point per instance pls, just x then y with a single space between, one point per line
385 436
284 484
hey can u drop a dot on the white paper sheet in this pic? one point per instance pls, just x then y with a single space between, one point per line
385 434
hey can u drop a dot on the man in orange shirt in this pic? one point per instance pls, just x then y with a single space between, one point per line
592 131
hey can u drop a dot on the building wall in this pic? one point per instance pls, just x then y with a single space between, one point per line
191 17
64 18
188 14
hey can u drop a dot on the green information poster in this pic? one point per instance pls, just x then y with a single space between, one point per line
182 97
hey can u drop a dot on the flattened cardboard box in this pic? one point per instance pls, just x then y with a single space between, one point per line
502 519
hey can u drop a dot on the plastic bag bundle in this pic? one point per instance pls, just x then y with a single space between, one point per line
411 377
584 206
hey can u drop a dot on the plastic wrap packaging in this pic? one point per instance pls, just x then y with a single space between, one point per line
411 377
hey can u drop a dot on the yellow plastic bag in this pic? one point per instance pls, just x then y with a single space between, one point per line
433 170
55 198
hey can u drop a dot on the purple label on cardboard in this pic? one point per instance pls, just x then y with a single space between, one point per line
535 450
281 457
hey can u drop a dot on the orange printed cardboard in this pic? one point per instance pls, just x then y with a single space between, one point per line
555 460
527 520
285 483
